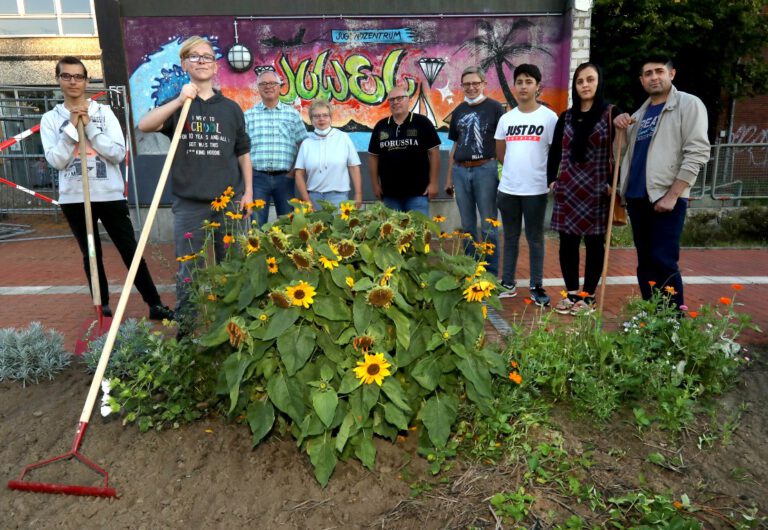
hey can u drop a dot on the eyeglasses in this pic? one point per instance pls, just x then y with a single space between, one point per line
268 84
195 58
320 116
474 84
397 99
69 77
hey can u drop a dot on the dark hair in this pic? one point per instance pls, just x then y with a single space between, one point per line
599 92
68 59
584 122
528 69
656 58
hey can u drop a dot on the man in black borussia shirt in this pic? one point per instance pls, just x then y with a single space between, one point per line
404 157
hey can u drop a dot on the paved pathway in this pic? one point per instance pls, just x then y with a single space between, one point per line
43 280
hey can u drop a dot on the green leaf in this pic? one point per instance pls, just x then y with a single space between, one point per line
479 378
347 429
437 415
402 326
365 450
296 347
234 291
427 372
332 308
324 402
322 454
394 392
261 417
395 416
247 294
415 350
234 367
329 348
363 284
387 256
216 335
365 252
447 283
326 372
281 321
339 277
361 314
287 395
445 302
349 382
257 280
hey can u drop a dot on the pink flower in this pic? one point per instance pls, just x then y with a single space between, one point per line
188 235
683 307
187 280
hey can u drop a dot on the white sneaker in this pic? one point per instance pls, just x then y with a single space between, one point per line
510 290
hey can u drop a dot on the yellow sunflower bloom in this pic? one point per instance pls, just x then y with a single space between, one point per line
373 370
233 215
301 294
480 268
272 265
253 245
350 281
478 291
258 204
493 222
329 264
438 218
218 204
346 208
386 276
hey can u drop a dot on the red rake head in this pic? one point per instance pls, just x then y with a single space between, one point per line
68 489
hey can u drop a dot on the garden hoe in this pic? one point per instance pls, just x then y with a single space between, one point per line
621 133
85 416
91 329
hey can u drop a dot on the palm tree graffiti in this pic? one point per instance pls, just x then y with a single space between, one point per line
498 49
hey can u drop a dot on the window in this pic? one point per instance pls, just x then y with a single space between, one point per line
29 18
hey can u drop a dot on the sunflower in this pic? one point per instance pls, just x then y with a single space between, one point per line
373 370
480 269
279 299
386 229
301 259
229 192
346 208
234 216
405 221
381 296
438 218
363 343
258 204
354 222
427 237
350 281
301 294
386 276
493 222
272 265
219 203
253 245
329 264
478 291
317 228
346 248
405 240
279 240
304 235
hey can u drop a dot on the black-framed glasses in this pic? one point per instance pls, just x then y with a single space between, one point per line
397 99
69 77
195 58
268 84
474 84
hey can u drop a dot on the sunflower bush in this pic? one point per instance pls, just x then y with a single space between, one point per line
341 325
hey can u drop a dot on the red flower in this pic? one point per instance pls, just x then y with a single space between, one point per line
737 287
725 300
694 314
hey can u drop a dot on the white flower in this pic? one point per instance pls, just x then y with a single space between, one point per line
106 386
106 410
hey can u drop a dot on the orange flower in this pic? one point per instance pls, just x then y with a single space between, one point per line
584 294
515 377
651 283
228 239
725 300
528 301
737 287
694 314
514 364
677 504
642 324
670 290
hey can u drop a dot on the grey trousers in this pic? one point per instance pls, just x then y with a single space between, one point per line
513 209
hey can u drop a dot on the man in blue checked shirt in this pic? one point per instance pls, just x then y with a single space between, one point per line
276 131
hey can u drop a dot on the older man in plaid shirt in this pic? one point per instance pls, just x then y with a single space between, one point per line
276 131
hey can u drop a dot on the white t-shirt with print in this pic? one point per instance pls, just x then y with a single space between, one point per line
528 136
326 160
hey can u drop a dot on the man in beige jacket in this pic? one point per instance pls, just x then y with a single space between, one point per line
667 147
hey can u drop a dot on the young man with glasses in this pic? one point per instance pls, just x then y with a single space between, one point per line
404 157
276 131
473 169
105 152
212 155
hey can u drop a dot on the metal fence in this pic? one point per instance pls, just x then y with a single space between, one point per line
735 172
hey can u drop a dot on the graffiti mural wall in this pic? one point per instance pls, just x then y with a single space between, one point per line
354 62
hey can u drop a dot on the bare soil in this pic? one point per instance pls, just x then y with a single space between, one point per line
206 475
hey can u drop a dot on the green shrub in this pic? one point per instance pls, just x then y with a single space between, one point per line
27 355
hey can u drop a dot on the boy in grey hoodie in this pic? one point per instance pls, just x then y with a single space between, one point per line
106 149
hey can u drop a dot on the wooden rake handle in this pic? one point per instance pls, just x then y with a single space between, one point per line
621 135
125 294
89 229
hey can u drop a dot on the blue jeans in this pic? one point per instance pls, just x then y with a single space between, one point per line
418 203
515 208
657 241
279 188
476 192
334 197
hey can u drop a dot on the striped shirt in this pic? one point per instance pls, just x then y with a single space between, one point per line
275 136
